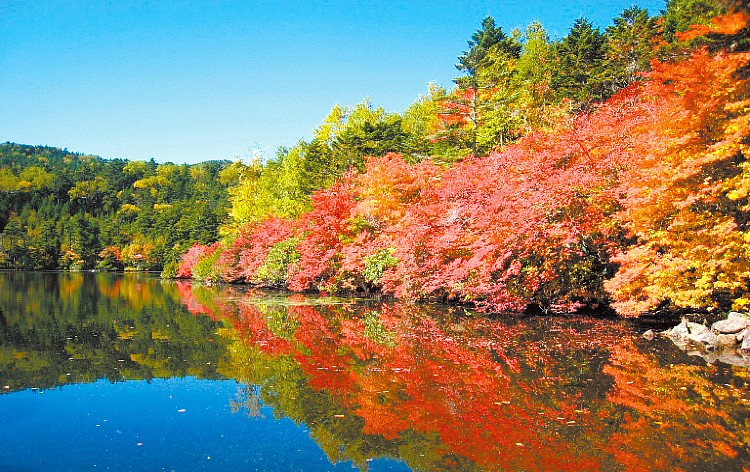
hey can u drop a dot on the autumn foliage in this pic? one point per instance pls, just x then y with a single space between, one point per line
638 204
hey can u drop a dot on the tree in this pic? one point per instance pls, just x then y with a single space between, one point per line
533 79
480 105
488 37
680 15
420 122
578 73
686 199
630 45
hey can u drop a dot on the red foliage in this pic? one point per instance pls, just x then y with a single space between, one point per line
521 226
192 257
326 226
458 110
654 180
241 260
384 192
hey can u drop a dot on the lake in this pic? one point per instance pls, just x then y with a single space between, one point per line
128 372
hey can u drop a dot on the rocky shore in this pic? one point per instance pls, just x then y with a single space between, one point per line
726 341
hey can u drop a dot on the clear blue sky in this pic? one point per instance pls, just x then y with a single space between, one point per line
192 81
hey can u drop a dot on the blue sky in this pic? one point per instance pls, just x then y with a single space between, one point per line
192 81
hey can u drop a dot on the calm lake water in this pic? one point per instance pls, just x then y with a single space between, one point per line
127 372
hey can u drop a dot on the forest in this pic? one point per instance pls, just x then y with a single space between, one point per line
62 210
603 170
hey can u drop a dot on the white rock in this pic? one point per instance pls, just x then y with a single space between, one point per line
746 344
729 326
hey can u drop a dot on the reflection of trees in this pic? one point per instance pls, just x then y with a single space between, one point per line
67 328
682 417
447 392
390 380
433 387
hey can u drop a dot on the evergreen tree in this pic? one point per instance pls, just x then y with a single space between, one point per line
579 73
630 45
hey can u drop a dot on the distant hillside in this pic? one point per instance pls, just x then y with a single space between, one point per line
62 210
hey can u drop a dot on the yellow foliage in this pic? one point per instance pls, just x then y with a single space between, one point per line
129 208
151 182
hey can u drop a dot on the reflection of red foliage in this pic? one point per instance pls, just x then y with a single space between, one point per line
252 327
430 382
498 394
326 365
190 301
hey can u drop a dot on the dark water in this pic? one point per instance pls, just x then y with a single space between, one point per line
112 372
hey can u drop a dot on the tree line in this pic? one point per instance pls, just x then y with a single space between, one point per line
512 84
603 169
62 210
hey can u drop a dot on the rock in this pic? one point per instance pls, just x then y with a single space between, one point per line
680 331
746 344
687 328
718 344
649 335
726 340
729 326
697 328
732 357
734 314
707 339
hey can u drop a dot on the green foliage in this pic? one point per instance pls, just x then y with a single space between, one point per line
579 58
377 263
376 331
58 209
681 14
630 45
346 138
115 327
205 270
273 189
489 37
274 270
170 270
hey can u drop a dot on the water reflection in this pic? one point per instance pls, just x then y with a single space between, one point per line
57 329
432 387
446 391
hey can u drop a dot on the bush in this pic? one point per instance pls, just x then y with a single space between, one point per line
170 270
376 264
205 270
274 270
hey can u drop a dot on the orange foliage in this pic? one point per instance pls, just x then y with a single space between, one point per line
683 196
643 201
725 24
663 405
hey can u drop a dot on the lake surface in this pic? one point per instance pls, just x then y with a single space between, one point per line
128 372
